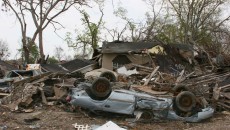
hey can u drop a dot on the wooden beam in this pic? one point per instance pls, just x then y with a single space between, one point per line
4 94
152 74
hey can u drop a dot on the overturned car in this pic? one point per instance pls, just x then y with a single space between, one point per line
99 96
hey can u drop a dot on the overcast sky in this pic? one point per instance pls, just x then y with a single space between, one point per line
10 29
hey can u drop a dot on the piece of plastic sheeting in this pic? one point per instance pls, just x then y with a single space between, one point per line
109 126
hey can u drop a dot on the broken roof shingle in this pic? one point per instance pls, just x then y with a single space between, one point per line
66 67
76 64
53 68
125 47
7 65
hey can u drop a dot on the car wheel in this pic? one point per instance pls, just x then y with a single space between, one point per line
109 75
185 101
178 89
100 89
147 115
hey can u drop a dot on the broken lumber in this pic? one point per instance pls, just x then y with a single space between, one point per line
141 66
4 94
152 74
43 96
179 79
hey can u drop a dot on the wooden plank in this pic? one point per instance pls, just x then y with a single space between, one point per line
179 79
33 78
152 74
226 95
148 90
4 94
43 96
223 105
141 66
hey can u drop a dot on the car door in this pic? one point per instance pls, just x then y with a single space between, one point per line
121 103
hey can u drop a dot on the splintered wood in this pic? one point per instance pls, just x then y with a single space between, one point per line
151 75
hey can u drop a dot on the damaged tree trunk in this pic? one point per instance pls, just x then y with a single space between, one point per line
40 35
41 48
25 49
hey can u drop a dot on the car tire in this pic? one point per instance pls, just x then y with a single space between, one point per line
109 75
100 89
185 101
178 89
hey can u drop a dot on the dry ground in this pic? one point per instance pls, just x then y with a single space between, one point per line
58 118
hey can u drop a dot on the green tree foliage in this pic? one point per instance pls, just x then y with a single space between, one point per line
89 37
33 51
52 60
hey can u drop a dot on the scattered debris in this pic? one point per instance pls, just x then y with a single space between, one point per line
81 127
36 126
110 126
31 120
4 127
159 81
151 75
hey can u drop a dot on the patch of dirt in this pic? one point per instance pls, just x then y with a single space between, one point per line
58 118
3 108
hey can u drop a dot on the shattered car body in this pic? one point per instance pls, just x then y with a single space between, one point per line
129 102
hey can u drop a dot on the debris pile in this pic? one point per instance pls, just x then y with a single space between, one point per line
168 78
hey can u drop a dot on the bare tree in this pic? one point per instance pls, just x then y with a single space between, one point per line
135 29
43 13
59 53
147 29
116 34
198 19
19 12
89 37
4 50
68 57
33 51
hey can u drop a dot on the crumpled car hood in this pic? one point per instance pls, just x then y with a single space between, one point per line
204 114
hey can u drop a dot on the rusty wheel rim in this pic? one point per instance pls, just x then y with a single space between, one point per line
185 101
100 87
